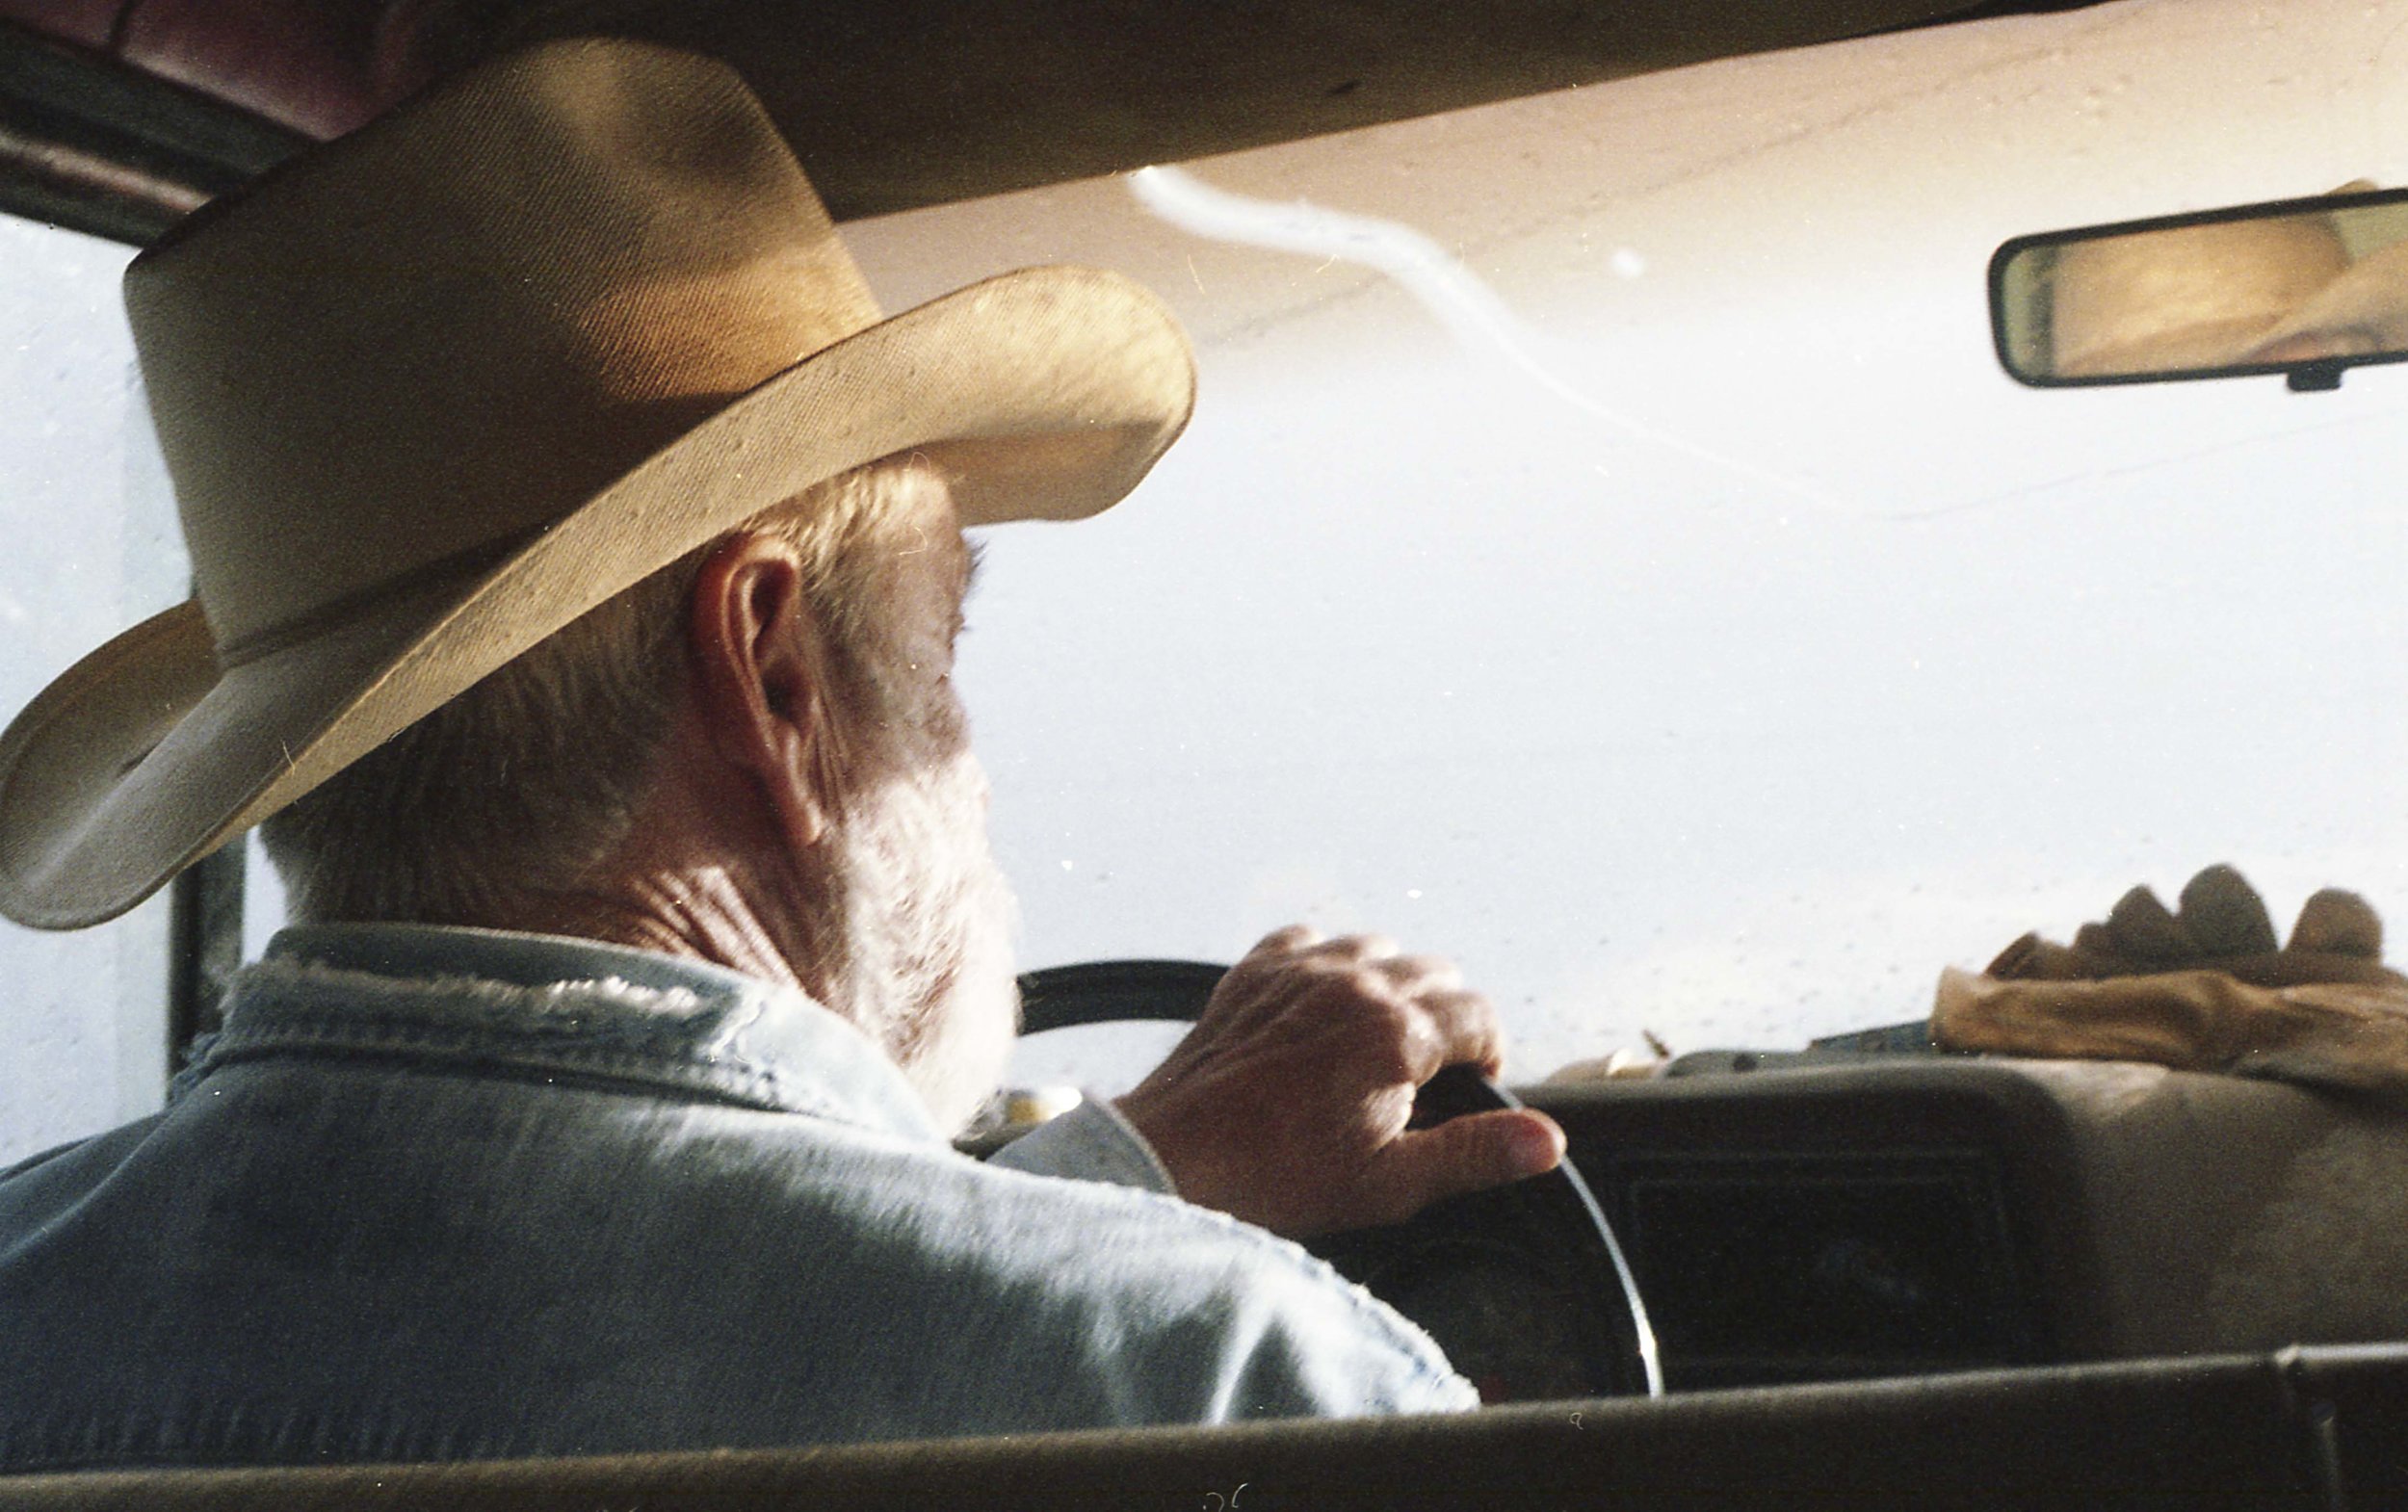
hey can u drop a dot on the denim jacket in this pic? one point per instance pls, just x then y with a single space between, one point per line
442 1193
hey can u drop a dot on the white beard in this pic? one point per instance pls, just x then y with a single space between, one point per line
928 929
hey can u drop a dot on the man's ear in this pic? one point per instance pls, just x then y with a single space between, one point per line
762 680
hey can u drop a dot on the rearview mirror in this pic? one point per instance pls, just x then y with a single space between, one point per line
2302 287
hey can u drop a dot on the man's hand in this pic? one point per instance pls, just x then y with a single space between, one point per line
1286 1105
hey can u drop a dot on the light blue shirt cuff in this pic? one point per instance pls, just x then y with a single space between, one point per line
1092 1142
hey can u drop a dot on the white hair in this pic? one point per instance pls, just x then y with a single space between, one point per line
925 933
521 785
526 783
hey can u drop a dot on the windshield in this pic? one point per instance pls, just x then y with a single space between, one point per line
1605 550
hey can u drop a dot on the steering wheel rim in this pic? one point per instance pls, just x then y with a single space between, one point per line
1105 991
1559 1203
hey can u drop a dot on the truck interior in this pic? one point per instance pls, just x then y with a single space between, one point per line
1813 1256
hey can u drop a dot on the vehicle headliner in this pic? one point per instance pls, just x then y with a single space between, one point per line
892 105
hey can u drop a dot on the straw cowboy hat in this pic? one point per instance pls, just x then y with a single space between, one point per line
441 386
2362 312
2195 296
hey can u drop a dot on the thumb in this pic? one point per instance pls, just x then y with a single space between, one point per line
1462 1155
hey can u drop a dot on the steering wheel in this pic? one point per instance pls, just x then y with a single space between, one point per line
1525 1286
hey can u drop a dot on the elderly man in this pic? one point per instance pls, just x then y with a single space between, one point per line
579 558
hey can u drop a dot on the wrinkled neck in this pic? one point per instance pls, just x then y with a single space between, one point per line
716 913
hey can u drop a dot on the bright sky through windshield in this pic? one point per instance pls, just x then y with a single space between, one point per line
1739 738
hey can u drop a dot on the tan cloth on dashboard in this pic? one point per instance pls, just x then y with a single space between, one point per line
2337 1034
2204 989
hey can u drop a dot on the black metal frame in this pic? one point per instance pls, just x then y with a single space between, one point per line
205 946
2315 375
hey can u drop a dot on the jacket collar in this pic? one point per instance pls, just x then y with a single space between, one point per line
551 1006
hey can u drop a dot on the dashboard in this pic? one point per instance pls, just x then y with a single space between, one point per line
1896 1215
1872 1208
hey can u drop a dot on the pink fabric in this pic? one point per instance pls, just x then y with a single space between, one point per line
319 66
84 22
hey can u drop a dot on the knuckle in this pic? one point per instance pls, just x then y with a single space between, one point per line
1431 976
1338 980
1275 947
1393 1043
1359 946
1374 1016
1474 1008
1464 1156
1363 977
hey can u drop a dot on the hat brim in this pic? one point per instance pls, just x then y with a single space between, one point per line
1044 394
2202 344
2364 310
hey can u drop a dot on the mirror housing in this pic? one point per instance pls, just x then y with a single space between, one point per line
2307 288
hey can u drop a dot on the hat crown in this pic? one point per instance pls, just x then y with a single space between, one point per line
2187 295
438 388
413 350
